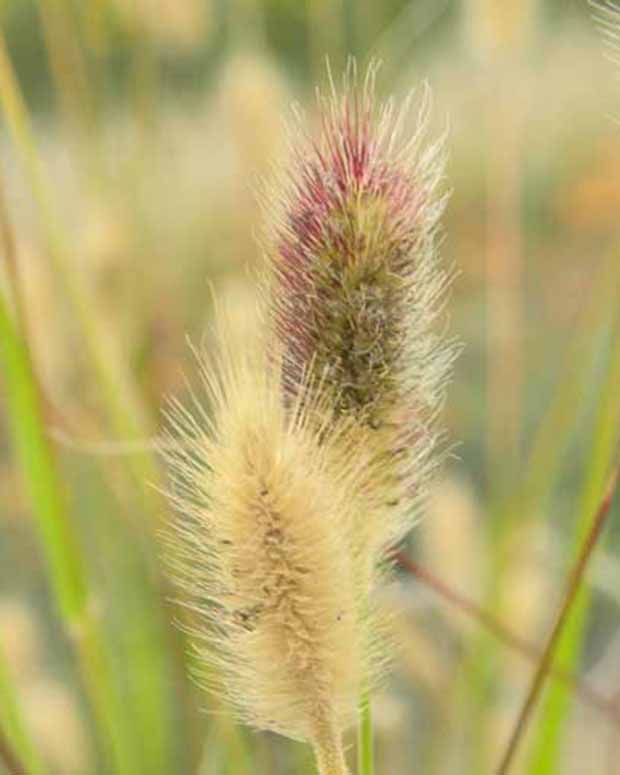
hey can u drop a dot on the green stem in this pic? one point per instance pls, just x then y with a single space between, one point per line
546 747
124 410
125 413
67 571
365 738
570 597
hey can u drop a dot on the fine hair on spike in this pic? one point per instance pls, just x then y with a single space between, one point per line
308 457
355 286
261 555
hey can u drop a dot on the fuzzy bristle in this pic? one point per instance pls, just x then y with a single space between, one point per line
315 452
355 285
261 555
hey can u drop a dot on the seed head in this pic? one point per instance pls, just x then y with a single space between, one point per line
355 286
261 555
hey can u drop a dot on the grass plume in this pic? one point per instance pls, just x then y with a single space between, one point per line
352 292
355 286
261 554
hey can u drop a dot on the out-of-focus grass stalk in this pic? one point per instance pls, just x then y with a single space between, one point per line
500 41
542 470
13 726
71 79
144 681
143 87
504 270
508 637
66 569
546 748
573 588
35 455
365 737
501 37
558 424
67 62
123 409
365 732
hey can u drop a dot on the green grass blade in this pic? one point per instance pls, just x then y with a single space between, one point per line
124 412
66 570
542 470
122 407
365 738
39 471
557 703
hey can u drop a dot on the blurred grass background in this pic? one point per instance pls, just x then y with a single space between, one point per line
131 132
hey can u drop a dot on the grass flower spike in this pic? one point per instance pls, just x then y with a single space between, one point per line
261 556
355 285
317 450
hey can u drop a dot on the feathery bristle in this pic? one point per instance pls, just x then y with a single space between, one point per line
317 449
261 555
355 286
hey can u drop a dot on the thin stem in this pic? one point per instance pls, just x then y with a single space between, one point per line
506 636
557 422
125 413
329 753
67 573
365 737
504 278
546 748
70 73
123 408
572 588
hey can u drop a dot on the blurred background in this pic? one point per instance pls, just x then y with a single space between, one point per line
131 133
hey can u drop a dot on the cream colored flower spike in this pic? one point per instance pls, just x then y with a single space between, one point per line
261 554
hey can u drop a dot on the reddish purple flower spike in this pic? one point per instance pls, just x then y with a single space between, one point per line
355 279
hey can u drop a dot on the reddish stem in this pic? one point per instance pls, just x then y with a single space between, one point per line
505 635
545 665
